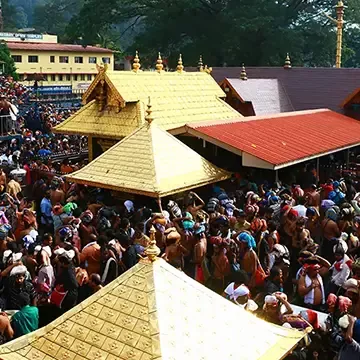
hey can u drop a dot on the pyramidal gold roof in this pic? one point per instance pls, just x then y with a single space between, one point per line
149 162
108 123
178 98
154 311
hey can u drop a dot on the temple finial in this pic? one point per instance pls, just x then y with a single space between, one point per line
207 69
136 63
287 64
200 64
159 64
148 116
180 67
243 75
152 251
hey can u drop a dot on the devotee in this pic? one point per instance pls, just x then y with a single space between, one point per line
311 286
350 349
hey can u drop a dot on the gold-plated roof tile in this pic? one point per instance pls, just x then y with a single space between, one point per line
178 98
110 123
167 324
164 166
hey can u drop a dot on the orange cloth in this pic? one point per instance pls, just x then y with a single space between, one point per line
66 169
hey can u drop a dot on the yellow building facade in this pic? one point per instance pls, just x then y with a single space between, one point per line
67 67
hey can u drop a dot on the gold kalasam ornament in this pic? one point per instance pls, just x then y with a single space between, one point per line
148 116
159 64
200 64
152 251
243 75
287 64
136 63
207 69
180 67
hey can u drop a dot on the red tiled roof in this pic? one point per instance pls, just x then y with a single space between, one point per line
55 47
307 88
283 138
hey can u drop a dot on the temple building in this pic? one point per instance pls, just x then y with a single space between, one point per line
269 90
151 312
256 96
115 103
150 162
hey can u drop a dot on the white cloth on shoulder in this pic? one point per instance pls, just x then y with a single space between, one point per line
309 297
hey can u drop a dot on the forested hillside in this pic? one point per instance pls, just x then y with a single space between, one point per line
225 32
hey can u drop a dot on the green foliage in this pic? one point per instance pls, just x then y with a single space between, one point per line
8 11
225 32
9 65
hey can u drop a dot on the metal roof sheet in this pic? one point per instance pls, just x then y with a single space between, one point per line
284 138
266 95
150 162
307 88
152 312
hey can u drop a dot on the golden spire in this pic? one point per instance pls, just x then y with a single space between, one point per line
152 251
180 67
200 64
339 37
159 65
148 116
287 64
207 69
243 75
136 63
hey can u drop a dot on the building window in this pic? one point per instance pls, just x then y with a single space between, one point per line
68 77
75 77
33 59
64 59
45 77
17 58
89 77
52 58
106 60
92 60
61 78
78 59
53 78
82 77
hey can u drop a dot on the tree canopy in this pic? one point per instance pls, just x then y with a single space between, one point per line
225 32
7 62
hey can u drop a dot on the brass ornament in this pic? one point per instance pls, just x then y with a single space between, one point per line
159 64
136 63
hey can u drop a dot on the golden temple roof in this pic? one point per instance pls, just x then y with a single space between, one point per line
178 98
149 162
153 312
108 123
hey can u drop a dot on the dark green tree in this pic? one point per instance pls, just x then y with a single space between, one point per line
7 63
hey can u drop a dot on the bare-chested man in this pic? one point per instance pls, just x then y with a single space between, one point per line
313 198
249 261
310 285
5 109
330 230
174 251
